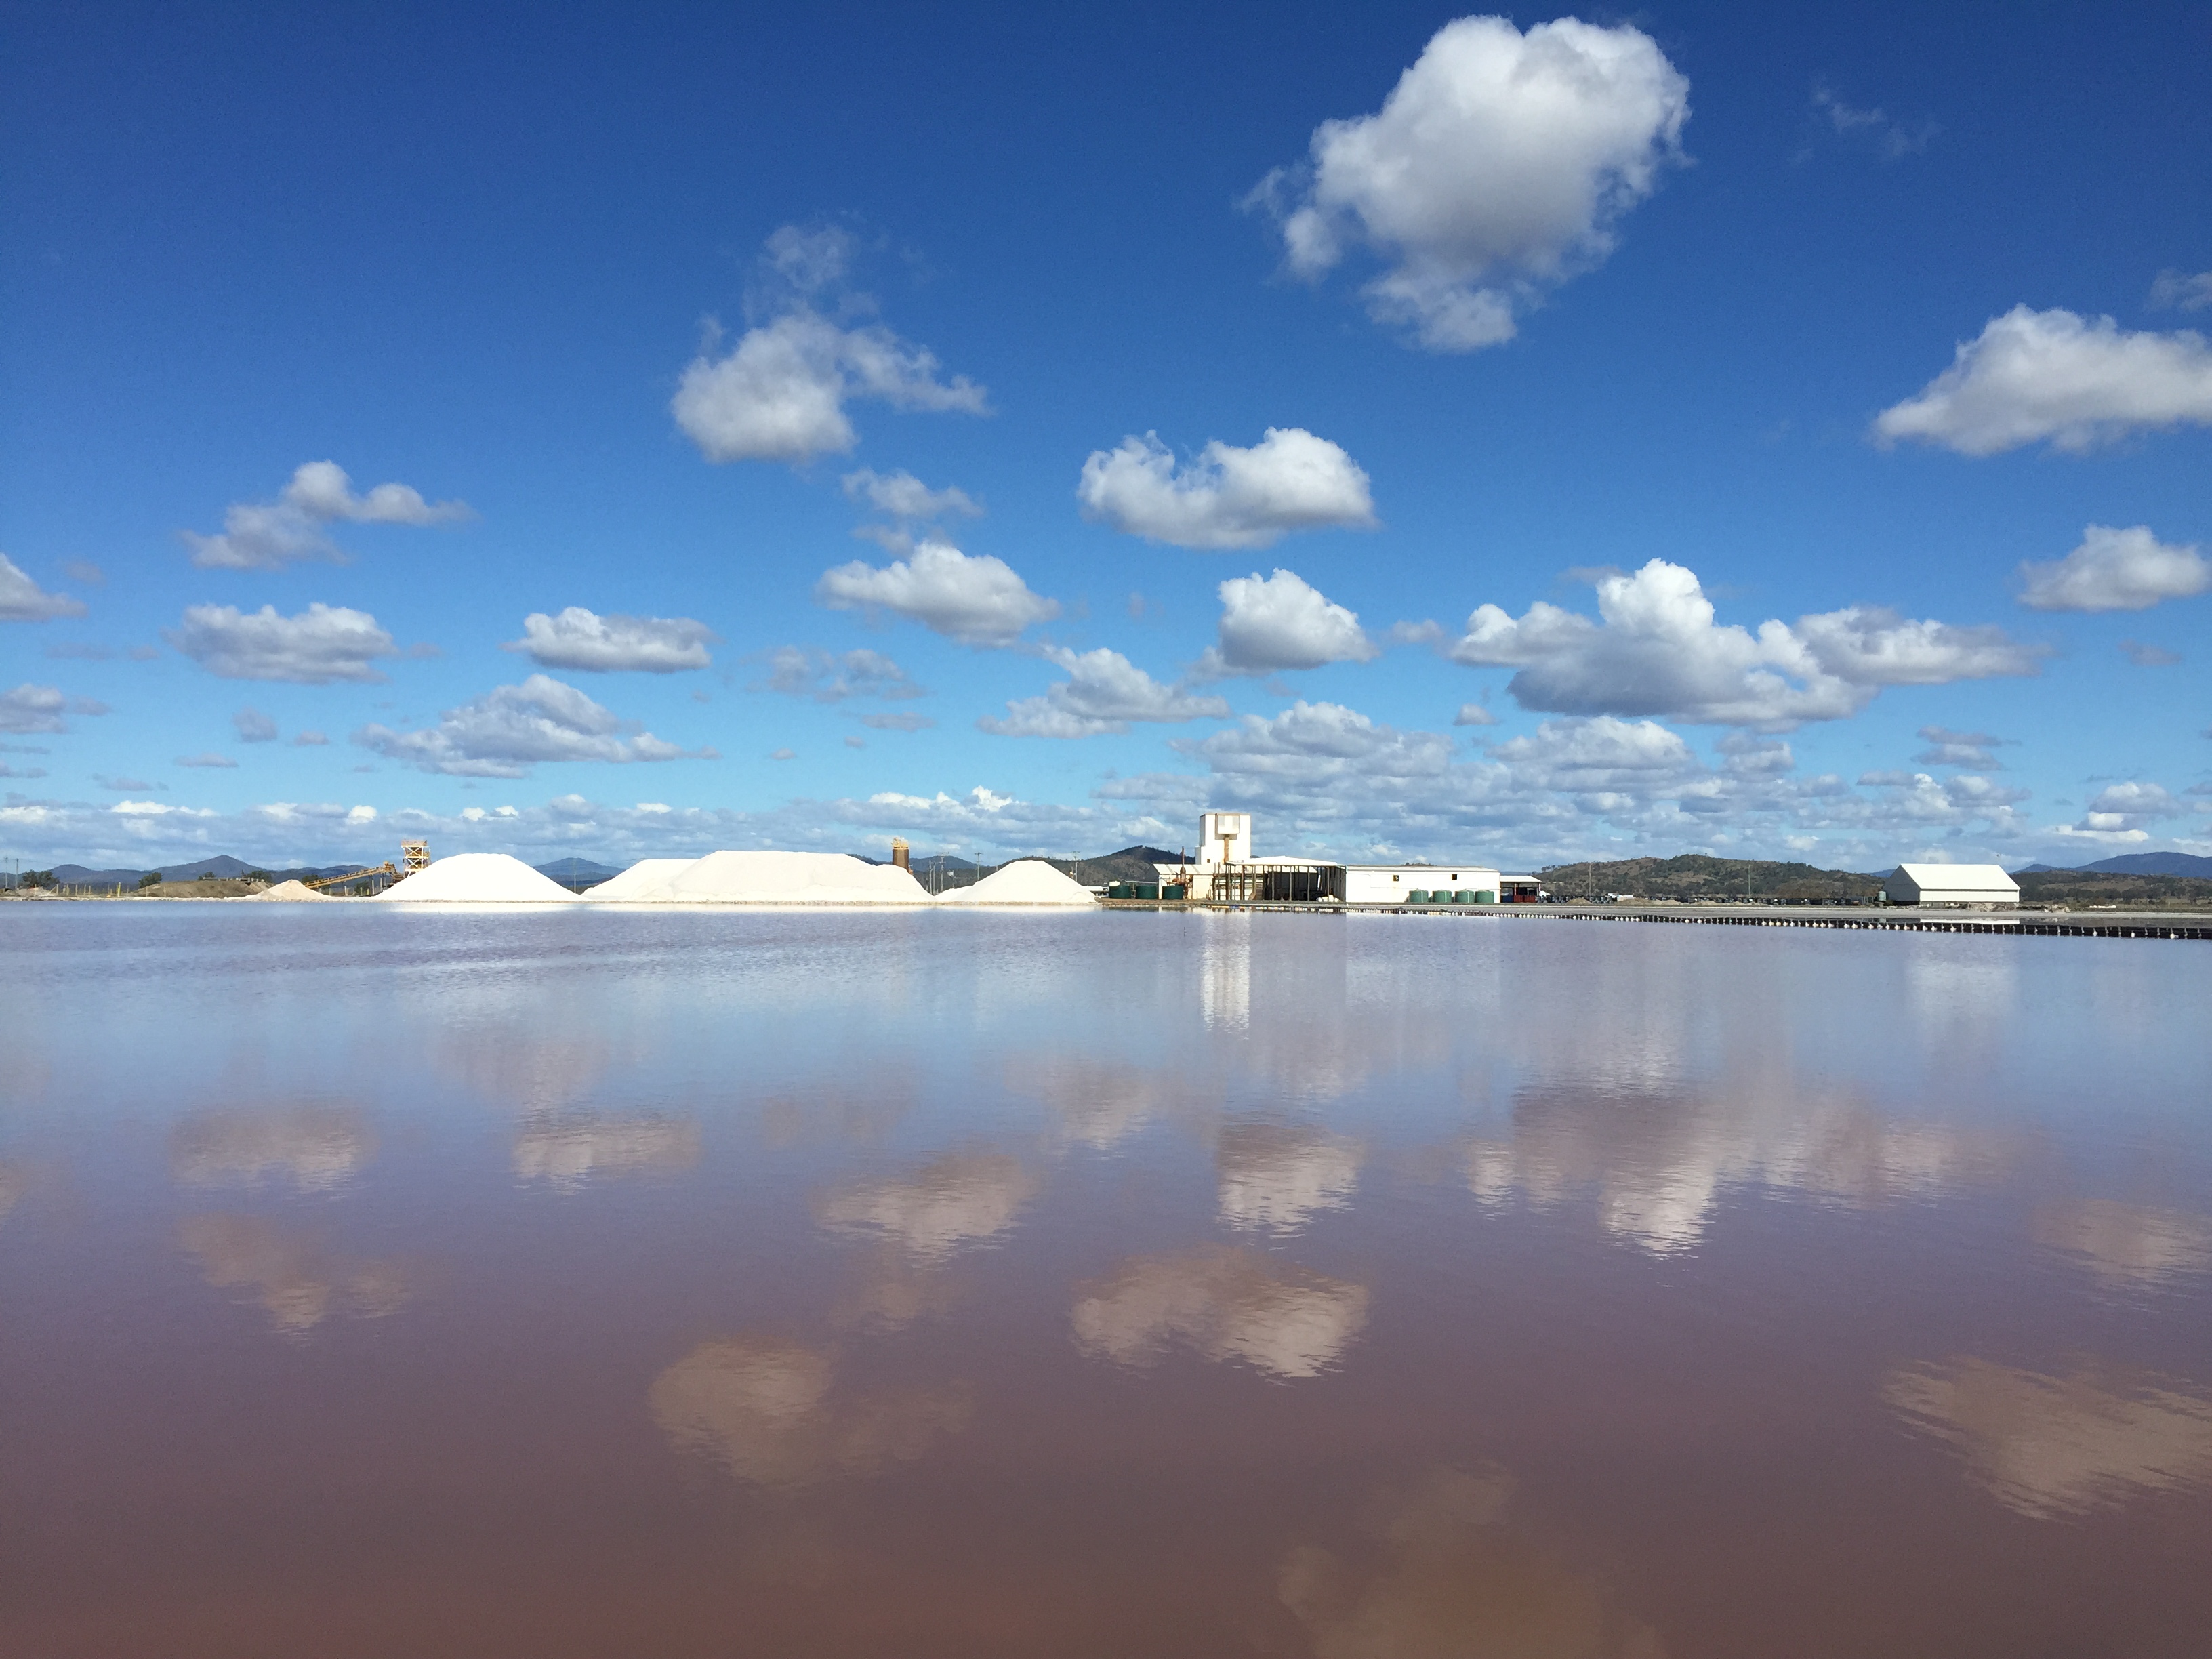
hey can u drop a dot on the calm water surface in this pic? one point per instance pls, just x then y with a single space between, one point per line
637 1284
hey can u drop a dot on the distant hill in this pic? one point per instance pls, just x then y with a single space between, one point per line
222 866
1695 876
2095 886
2135 864
577 874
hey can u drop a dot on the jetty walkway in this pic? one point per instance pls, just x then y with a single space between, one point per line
1867 917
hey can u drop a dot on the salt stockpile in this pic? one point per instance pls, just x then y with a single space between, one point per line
1025 881
478 878
639 880
287 892
787 878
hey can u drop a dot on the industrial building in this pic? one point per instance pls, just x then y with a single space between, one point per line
1227 871
1950 884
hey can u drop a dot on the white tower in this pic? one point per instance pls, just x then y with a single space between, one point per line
1223 838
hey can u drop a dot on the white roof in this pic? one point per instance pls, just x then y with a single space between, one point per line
1959 878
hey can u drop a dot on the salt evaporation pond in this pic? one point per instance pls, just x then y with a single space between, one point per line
592 1280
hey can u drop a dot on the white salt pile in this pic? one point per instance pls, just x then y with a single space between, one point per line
1025 881
285 893
478 878
785 879
638 880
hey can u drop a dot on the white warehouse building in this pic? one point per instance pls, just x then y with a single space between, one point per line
1950 884
1227 869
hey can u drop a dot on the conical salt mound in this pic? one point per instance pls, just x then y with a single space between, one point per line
786 879
1025 881
638 881
478 878
285 893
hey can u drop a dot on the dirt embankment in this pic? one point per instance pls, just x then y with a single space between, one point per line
228 887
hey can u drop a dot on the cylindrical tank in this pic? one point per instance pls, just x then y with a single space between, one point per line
1417 896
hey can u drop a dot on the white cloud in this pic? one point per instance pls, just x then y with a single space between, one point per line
1274 623
1104 692
798 671
1495 170
977 600
22 599
1473 714
779 393
31 708
1949 748
895 722
1658 651
208 761
310 740
254 727
2178 291
2052 376
2143 655
1228 496
2129 806
1892 140
2115 570
268 535
513 727
581 639
1322 748
324 643
902 496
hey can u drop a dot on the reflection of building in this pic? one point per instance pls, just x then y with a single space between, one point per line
1227 871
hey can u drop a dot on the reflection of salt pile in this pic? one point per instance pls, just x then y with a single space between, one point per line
285 893
783 879
479 878
1025 881
640 878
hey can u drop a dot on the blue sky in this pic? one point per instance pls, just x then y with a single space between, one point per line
895 419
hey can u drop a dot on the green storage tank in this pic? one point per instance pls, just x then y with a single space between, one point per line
1485 896
1465 896
1417 896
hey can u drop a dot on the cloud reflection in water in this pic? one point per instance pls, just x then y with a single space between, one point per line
770 1412
2050 1447
296 1281
963 1198
1660 1163
566 1151
317 1148
1275 1176
1446 1577
2124 1246
1224 1305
